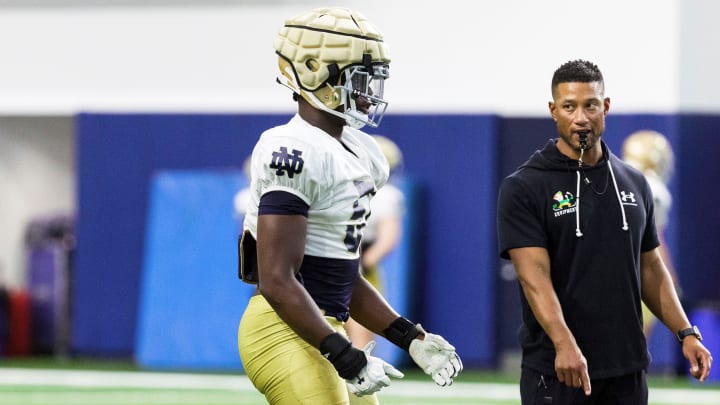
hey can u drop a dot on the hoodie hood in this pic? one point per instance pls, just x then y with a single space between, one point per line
551 159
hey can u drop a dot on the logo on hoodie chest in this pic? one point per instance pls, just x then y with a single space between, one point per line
564 203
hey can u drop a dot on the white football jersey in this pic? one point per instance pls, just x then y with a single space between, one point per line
661 198
388 202
337 180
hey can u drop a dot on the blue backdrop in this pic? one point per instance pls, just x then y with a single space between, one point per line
190 299
457 162
116 158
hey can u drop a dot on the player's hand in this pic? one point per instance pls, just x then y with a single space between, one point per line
374 376
436 357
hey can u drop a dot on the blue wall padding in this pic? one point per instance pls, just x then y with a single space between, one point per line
451 156
454 157
456 162
398 269
190 297
707 319
191 300
116 157
696 204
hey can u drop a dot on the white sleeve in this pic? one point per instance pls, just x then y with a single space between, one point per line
377 163
389 201
662 200
290 165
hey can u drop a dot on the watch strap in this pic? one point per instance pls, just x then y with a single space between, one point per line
691 331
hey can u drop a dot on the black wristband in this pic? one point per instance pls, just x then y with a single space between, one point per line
401 332
347 360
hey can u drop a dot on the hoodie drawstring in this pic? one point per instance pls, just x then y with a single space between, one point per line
578 232
617 193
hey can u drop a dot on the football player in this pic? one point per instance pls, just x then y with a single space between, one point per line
651 153
311 184
382 233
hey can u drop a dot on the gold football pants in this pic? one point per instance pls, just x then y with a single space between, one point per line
285 368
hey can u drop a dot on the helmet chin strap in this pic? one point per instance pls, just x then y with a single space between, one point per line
353 117
356 119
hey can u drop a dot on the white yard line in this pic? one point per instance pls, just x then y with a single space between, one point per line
684 396
122 379
399 388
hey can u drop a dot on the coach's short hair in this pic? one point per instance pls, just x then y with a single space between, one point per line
578 70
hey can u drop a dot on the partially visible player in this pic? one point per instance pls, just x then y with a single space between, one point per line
312 182
382 233
650 152
241 200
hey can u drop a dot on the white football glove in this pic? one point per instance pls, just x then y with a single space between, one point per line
436 357
374 376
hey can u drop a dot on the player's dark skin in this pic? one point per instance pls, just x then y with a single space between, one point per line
329 123
280 249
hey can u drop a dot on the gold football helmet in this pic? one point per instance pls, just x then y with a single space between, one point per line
650 152
390 150
332 57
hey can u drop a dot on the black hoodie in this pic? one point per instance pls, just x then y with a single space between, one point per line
594 223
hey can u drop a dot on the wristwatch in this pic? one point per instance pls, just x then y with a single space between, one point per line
683 333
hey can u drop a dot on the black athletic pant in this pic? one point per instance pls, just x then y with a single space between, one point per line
539 389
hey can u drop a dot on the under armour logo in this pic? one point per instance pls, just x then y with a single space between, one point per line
286 163
627 196
360 380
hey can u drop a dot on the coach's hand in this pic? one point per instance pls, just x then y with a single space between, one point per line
374 376
436 357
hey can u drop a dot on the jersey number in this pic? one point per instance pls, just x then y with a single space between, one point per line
353 233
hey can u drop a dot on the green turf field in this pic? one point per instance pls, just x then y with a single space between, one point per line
78 382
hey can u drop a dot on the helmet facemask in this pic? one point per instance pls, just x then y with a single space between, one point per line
362 95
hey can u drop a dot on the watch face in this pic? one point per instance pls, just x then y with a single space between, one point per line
696 332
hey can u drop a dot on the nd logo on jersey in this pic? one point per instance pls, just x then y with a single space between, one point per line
284 162
564 203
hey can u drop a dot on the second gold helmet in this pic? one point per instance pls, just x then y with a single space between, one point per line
649 151
390 150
